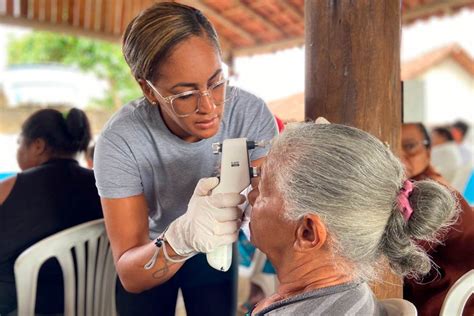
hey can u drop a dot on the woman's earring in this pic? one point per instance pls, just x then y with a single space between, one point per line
154 102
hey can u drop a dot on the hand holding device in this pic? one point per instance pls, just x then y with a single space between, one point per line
234 178
210 221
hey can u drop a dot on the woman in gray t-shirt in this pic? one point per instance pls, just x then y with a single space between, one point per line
152 154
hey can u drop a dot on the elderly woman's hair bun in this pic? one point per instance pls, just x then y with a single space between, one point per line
434 210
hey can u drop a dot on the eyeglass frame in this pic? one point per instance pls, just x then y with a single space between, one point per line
423 143
171 98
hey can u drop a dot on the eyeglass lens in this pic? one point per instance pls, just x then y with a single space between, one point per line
412 148
189 103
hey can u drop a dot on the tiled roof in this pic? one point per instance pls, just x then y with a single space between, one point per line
244 26
419 65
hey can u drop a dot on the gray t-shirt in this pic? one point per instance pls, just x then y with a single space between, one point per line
346 299
136 153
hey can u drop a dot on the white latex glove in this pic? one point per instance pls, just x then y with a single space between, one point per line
211 221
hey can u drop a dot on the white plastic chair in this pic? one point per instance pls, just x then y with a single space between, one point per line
458 295
94 264
399 307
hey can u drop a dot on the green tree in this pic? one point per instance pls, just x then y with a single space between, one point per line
101 58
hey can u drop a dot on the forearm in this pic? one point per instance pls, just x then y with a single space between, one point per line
133 275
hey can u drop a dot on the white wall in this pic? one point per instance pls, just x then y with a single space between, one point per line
414 101
449 93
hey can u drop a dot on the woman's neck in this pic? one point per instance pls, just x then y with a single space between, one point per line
302 274
305 273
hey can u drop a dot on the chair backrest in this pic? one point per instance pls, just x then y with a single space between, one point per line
399 307
458 295
92 259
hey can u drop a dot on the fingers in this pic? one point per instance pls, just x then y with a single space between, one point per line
227 239
226 228
222 200
227 214
205 186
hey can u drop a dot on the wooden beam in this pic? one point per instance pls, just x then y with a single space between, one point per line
23 8
70 13
108 15
211 13
78 13
59 11
47 10
97 18
353 75
9 7
88 15
433 7
59 28
119 12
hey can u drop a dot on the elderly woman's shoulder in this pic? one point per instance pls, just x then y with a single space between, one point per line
344 299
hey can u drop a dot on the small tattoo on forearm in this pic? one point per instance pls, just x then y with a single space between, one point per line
161 272
164 270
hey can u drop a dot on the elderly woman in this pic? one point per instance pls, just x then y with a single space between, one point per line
341 204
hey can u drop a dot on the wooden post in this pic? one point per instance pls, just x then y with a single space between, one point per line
353 74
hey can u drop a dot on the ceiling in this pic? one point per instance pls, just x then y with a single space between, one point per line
245 27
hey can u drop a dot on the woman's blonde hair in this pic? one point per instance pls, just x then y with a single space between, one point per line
151 36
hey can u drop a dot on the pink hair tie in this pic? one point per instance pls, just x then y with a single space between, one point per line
404 203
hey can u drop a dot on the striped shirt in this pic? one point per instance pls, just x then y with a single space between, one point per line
344 299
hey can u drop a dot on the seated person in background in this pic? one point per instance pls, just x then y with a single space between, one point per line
440 136
445 155
455 256
51 193
90 156
340 202
459 131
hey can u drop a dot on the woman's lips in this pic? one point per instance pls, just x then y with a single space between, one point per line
206 124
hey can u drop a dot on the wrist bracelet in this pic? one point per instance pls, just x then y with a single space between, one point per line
160 244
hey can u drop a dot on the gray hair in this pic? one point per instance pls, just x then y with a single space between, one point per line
351 180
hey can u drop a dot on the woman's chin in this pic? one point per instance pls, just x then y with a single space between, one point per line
206 133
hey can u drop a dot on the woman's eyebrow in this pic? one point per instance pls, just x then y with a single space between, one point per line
194 85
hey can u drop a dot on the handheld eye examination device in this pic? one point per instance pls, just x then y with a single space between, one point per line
235 176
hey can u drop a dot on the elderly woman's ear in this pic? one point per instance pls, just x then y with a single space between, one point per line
311 233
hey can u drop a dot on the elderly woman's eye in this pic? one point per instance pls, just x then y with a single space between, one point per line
409 146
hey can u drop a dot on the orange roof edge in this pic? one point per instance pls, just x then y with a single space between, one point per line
419 65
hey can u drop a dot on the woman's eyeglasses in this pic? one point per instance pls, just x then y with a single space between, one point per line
412 148
187 103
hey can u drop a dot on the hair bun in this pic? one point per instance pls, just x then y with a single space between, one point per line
78 128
